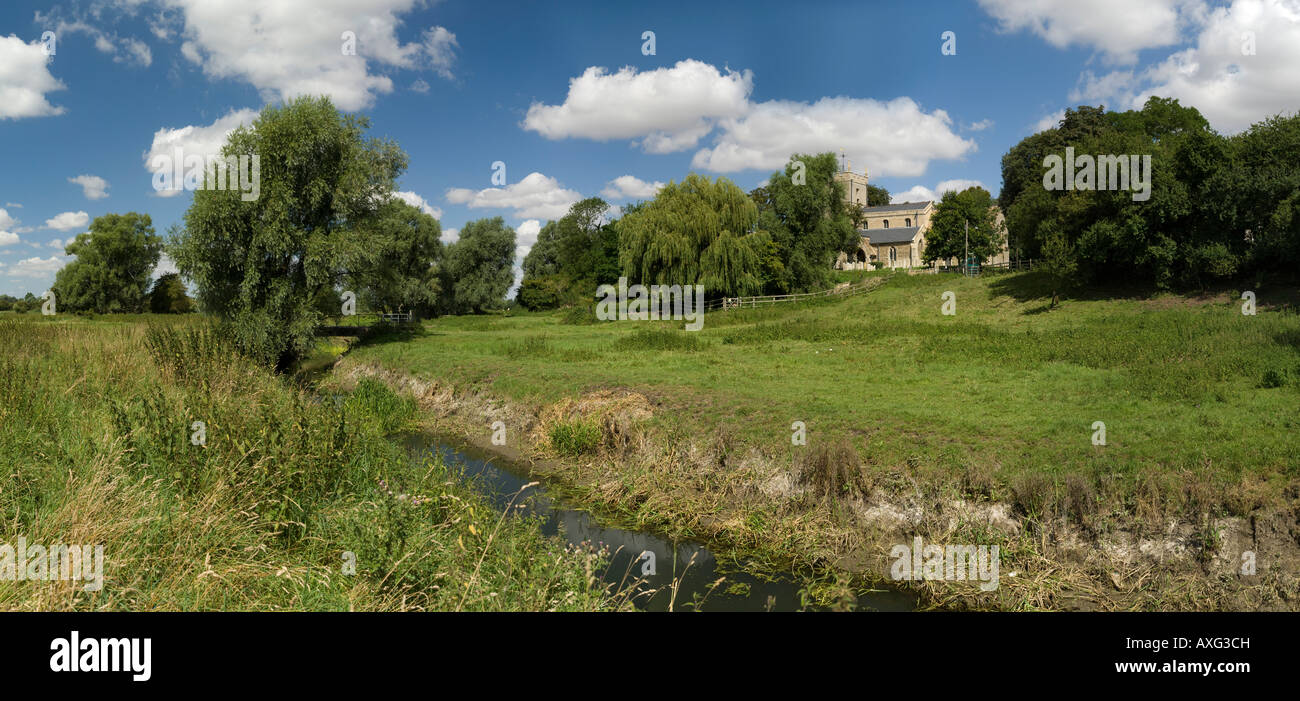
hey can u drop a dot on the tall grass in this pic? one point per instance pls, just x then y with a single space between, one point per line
99 446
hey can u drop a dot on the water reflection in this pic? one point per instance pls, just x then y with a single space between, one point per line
685 574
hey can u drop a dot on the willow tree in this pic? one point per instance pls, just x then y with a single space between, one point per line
261 262
694 232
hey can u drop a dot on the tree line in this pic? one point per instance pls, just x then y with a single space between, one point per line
1219 207
328 221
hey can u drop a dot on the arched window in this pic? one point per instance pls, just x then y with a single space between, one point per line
886 223
893 255
907 222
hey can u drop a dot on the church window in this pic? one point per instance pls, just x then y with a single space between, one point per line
907 222
886 223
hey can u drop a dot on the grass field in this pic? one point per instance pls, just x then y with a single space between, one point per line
282 493
996 403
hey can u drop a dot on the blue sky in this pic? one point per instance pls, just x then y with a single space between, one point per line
731 90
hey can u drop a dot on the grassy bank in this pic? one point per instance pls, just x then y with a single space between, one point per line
907 410
282 494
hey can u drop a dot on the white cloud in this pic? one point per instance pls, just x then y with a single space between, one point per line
1051 121
536 196
450 236
980 125
295 48
1119 29
525 239
420 86
25 79
921 193
126 50
526 233
1231 89
6 221
58 244
39 267
68 220
630 186
8 238
92 186
202 141
893 138
419 203
669 109
13 204
441 46
165 266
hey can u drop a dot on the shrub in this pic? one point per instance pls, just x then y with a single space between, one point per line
575 438
663 339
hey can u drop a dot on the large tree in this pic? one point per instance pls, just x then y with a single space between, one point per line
1187 229
399 273
114 261
697 231
478 269
808 220
964 221
168 296
261 264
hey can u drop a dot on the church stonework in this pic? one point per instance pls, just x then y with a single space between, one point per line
893 235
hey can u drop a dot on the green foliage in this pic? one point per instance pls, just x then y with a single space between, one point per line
659 338
399 272
574 438
478 268
543 258
1058 258
571 257
261 264
376 403
168 296
111 272
877 196
694 232
282 486
809 224
539 292
963 221
1218 205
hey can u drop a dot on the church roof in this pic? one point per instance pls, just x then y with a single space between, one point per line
900 234
900 207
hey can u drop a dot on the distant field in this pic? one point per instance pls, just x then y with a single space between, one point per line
1191 391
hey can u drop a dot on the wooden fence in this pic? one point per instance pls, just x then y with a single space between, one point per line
845 289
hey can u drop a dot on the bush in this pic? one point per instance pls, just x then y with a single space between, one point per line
541 292
663 339
575 438
1273 378
378 403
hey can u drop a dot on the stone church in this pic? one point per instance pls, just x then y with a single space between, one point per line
893 234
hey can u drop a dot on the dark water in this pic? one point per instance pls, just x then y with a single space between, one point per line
690 565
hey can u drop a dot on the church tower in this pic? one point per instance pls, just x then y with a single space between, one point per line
855 184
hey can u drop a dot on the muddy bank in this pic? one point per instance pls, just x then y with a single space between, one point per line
653 572
805 517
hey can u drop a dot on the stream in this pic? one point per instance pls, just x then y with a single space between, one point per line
691 565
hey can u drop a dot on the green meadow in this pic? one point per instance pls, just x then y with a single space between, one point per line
1200 403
